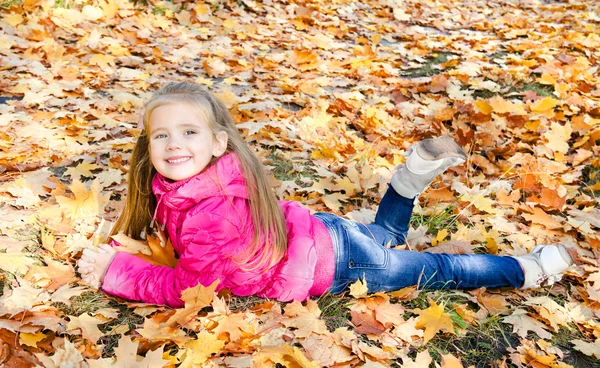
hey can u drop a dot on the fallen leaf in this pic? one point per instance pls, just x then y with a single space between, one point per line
359 289
195 298
433 320
522 324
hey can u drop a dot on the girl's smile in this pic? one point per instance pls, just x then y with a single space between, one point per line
182 143
177 160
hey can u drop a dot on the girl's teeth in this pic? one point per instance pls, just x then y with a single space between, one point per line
178 160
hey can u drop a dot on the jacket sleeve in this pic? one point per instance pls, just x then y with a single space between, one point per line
207 254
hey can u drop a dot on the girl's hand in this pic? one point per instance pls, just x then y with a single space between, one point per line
94 263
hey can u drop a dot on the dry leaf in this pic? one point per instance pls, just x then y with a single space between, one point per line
433 320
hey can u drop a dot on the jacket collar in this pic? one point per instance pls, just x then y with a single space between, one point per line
223 178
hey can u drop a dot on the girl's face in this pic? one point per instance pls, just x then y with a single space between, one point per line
181 142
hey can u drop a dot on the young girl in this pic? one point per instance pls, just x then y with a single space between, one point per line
192 172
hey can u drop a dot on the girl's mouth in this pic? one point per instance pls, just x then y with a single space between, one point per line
178 160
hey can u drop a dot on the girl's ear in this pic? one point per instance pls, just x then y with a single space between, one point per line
220 143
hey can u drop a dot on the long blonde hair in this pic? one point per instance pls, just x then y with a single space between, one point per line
267 216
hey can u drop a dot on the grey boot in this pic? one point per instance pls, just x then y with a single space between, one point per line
426 160
545 263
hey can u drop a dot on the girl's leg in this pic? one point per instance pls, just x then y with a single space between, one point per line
393 215
359 256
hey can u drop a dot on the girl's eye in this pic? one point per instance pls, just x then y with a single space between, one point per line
158 136
188 132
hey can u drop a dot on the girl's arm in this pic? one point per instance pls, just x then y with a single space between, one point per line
206 258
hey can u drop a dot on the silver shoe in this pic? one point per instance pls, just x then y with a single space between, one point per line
545 264
426 160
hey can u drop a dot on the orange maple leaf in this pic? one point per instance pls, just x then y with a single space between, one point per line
156 250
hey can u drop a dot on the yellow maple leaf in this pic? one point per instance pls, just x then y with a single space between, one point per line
543 105
441 235
484 107
450 361
502 106
31 339
86 203
229 98
195 299
102 60
13 19
558 137
285 355
547 79
15 262
92 13
359 289
198 351
433 320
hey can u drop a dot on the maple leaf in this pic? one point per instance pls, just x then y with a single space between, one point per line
21 298
325 350
195 299
15 262
86 204
558 137
366 323
590 349
493 303
359 289
52 276
102 60
234 327
433 320
407 331
305 318
423 359
199 350
450 361
156 249
87 325
285 355
30 339
522 324
156 330
66 356
126 356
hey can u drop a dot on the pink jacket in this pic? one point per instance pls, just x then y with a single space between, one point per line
208 220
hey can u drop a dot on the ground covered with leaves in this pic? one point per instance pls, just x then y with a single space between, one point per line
330 94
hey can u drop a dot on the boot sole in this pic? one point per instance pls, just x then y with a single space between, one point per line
439 148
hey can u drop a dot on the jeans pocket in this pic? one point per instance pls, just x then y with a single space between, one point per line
363 251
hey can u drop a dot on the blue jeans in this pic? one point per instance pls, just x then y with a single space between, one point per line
361 253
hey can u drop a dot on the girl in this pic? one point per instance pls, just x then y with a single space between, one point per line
193 173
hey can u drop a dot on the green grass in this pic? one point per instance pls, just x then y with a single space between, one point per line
591 176
562 339
284 170
430 68
7 4
88 302
443 219
539 89
481 346
335 310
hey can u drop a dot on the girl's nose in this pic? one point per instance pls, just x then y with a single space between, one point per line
173 144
